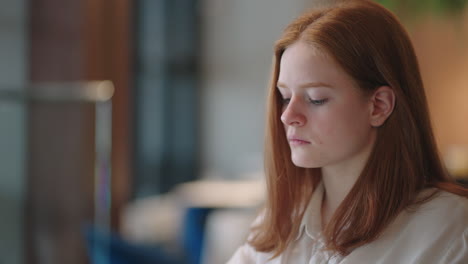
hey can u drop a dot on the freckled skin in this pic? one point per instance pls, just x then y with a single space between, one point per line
339 130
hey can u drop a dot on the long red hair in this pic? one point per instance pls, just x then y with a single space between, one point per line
372 47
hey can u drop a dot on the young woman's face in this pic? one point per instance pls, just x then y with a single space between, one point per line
325 116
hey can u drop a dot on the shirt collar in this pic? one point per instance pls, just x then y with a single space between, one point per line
312 220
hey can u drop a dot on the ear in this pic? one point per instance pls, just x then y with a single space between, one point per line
382 104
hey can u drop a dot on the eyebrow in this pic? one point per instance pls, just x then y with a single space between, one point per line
306 85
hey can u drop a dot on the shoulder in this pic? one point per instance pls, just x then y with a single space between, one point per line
444 209
435 231
445 220
246 254
443 216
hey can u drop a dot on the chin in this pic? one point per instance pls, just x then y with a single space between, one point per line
308 164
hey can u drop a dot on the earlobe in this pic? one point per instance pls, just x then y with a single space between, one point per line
383 103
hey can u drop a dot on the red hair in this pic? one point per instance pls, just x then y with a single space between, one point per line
372 47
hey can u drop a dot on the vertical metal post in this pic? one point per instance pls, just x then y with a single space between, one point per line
100 94
102 177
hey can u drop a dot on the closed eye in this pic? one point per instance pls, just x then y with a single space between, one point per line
318 102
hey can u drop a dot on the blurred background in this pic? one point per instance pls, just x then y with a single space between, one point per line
131 131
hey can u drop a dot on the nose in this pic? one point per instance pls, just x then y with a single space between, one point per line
292 115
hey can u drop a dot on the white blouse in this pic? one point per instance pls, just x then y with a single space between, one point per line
436 232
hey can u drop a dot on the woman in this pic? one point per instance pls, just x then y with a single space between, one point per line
353 172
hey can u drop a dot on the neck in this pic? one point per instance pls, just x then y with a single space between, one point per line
338 181
336 188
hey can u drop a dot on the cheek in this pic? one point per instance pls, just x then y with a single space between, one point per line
356 130
324 129
344 124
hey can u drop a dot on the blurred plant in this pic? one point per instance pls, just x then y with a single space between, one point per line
418 7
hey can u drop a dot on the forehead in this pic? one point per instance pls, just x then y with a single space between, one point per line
303 63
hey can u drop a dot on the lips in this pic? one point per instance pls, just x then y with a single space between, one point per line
297 141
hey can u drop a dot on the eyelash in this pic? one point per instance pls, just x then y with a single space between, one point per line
318 102
314 102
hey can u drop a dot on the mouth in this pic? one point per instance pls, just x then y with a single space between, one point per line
298 142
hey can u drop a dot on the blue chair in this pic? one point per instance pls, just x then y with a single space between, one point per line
108 248
194 233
